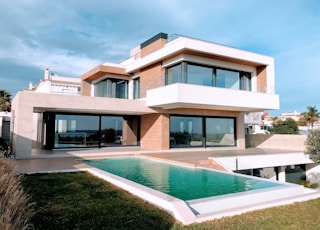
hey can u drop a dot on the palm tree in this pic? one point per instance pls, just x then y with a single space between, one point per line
5 100
312 115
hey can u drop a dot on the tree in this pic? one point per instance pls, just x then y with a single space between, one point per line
313 145
312 115
5 100
289 126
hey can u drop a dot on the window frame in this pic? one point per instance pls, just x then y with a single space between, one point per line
244 80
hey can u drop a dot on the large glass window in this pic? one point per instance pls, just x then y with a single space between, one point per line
199 75
174 74
76 131
187 131
208 76
111 130
220 131
245 81
95 130
227 79
113 88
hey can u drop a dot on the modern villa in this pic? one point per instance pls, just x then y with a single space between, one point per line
175 95
172 92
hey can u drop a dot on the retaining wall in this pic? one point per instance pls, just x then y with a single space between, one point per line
276 141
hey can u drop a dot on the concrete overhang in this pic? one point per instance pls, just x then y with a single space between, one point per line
202 97
196 47
263 161
44 102
102 70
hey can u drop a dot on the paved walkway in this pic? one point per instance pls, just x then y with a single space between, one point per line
63 160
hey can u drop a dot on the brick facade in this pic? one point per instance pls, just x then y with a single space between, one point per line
155 131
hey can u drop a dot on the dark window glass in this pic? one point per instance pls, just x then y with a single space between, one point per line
245 81
111 130
192 131
208 76
113 88
136 88
76 131
185 131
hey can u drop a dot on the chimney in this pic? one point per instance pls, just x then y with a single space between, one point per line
153 44
46 73
30 85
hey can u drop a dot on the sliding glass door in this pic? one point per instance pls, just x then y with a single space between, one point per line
201 131
220 132
75 131
185 131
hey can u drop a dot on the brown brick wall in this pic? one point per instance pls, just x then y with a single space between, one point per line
129 127
85 88
155 131
262 79
150 78
153 47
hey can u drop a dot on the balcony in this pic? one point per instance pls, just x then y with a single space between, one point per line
202 97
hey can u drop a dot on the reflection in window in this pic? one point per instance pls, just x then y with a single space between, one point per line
208 76
136 88
95 131
174 74
185 131
220 132
227 79
245 81
76 131
113 88
199 75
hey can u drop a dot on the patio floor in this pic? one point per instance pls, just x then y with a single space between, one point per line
64 160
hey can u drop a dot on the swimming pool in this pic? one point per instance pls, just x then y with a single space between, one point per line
182 182
192 194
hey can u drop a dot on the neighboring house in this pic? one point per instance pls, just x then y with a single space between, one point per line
255 124
173 92
51 83
295 116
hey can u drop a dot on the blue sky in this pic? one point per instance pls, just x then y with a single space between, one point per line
71 37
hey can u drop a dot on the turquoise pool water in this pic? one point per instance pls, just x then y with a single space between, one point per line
182 182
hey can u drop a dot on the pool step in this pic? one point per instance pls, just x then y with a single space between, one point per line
211 163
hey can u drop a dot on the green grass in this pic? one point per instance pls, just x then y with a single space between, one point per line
82 201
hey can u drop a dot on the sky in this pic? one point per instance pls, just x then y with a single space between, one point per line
71 37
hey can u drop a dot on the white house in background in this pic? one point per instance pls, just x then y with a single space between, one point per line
54 84
257 123
294 115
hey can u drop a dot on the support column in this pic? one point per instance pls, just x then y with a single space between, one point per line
21 127
282 173
240 129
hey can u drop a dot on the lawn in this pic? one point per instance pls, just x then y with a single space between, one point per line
82 201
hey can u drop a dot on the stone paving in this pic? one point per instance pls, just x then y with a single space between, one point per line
43 161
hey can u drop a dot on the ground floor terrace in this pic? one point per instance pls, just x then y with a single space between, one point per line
285 165
274 164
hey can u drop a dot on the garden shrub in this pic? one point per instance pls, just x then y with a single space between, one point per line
313 145
16 209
